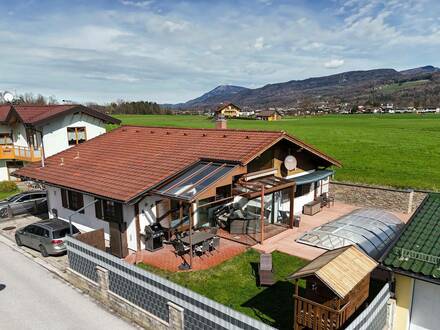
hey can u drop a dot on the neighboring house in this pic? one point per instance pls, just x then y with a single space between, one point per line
228 110
30 132
415 262
269 115
138 176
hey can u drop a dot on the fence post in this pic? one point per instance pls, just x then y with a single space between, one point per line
175 316
103 282
410 201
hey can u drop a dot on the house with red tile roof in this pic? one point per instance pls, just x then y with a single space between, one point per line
134 180
28 133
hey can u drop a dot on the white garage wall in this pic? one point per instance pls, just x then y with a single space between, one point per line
84 222
425 306
55 132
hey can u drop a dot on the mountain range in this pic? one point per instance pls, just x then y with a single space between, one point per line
413 87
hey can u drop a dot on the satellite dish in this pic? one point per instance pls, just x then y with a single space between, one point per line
290 162
8 97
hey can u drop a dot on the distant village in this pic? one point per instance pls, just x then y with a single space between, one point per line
232 110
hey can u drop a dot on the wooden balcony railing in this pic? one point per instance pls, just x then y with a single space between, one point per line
20 153
316 316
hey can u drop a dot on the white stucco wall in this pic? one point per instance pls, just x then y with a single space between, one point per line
55 132
84 222
3 171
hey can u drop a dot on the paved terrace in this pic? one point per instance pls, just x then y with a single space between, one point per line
166 259
285 242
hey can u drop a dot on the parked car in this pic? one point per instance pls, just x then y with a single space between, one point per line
46 236
25 202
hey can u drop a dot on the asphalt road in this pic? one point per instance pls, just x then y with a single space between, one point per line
32 298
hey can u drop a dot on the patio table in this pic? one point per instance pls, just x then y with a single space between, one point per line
198 237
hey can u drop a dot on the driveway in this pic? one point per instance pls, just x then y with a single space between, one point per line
32 298
10 225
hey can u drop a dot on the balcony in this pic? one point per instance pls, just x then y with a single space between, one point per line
20 153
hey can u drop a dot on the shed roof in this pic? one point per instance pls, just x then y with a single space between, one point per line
417 251
131 160
268 113
341 269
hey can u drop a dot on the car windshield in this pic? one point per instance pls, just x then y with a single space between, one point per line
13 198
64 232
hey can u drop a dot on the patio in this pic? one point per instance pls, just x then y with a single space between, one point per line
285 242
166 259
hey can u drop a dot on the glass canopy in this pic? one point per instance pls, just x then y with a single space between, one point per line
370 229
194 180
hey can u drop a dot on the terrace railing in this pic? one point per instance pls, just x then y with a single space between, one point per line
20 153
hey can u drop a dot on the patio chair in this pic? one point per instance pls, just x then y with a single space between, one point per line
213 230
215 243
265 270
202 248
179 248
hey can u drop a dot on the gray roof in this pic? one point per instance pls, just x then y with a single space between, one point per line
372 230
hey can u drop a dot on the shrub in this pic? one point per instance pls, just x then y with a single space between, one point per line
8 186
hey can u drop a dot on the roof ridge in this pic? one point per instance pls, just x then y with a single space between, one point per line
46 105
204 129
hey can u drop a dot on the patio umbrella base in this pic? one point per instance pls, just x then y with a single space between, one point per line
184 266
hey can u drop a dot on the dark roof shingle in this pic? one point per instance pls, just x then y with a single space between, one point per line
417 251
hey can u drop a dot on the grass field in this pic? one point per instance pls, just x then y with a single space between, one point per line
393 150
391 88
233 283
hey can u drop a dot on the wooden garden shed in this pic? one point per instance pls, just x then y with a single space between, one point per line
337 284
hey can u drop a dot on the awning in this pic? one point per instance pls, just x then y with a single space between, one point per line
191 182
313 177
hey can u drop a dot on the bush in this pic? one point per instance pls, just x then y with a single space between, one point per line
8 186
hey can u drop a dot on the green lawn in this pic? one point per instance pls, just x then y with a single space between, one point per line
393 150
4 195
233 283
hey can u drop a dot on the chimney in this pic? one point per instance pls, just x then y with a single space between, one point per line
220 122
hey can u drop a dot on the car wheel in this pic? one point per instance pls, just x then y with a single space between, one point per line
43 251
4 213
18 241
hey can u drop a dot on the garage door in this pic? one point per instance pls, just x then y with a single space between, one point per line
425 306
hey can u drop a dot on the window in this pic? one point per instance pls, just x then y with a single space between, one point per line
302 190
60 233
108 210
72 200
31 138
5 138
76 135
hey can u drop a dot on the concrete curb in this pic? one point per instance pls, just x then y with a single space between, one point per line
5 240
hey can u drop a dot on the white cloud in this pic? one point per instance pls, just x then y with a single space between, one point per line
259 43
140 4
334 63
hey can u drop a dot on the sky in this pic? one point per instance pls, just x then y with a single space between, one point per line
173 51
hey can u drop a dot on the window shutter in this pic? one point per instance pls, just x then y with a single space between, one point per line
64 198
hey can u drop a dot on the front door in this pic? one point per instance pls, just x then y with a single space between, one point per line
118 239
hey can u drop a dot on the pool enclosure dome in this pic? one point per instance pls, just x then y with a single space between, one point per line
372 230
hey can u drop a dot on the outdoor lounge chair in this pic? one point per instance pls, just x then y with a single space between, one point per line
265 270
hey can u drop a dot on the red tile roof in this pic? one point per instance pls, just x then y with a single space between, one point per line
38 114
131 160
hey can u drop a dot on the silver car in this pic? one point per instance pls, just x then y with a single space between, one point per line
45 236
26 202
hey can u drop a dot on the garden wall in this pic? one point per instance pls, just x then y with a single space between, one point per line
145 298
378 197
